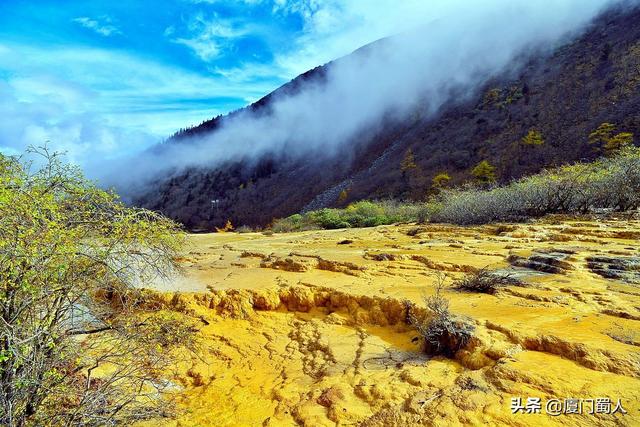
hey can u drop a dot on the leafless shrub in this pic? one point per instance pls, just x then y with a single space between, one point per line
486 281
245 229
609 183
444 333
414 231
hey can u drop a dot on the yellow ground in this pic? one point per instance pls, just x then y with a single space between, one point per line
298 329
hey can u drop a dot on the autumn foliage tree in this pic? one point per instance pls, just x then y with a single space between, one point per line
441 180
408 163
411 174
618 141
484 172
532 138
343 196
602 134
605 138
438 182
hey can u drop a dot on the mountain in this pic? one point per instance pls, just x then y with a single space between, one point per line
558 98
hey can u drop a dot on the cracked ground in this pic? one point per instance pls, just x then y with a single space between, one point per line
310 328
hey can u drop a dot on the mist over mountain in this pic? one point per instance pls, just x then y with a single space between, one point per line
451 93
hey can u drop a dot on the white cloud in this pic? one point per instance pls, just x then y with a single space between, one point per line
95 102
334 28
205 49
211 36
103 28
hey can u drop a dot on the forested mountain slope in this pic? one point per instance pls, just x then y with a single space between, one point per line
532 116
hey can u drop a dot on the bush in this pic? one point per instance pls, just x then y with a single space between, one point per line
295 222
359 214
486 282
444 333
76 345
608 183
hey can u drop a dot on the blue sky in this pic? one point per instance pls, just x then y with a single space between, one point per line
104 77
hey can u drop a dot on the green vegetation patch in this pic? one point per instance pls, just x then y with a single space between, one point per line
360 214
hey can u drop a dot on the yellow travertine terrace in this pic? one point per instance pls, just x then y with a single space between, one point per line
310 328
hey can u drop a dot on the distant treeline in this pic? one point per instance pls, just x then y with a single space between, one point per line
611 183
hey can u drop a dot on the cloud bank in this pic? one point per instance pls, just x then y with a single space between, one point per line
96 104
438 48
